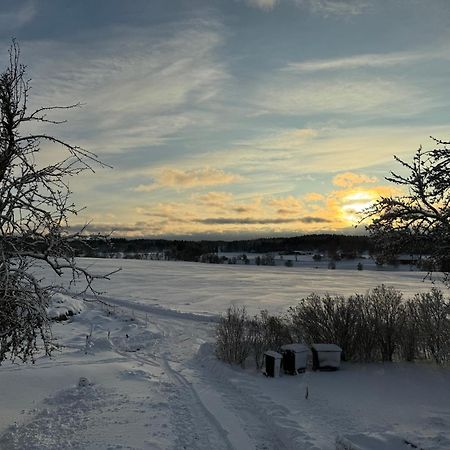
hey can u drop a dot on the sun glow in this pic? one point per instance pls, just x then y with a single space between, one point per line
354 204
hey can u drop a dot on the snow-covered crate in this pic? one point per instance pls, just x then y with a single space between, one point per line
272 363
326 356
295 357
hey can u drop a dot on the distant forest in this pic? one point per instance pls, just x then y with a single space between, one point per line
184 250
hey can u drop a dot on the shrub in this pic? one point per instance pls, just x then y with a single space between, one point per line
432 312
327 319
387 312
410 347
232 339
376 326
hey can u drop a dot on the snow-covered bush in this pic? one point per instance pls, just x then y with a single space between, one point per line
232 338
62 307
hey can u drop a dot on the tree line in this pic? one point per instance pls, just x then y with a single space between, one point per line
185 250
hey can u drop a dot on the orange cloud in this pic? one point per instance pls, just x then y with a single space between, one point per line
214 199
287 206
218 212
176 178
314 197
349 179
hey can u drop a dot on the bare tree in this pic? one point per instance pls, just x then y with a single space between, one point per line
35 206
419 220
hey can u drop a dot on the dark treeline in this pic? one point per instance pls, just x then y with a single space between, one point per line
193 250
326 243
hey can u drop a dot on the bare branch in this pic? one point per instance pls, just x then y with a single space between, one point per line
419 220
35 208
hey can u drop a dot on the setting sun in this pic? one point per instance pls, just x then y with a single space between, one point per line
356 203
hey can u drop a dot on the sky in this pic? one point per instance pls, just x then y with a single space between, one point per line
226 119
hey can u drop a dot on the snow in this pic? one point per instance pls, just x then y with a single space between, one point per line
208 289
63 306
374 442
273 354
152 380
298 348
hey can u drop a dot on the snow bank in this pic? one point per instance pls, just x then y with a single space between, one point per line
62 307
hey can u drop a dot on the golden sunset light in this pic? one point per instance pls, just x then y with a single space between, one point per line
224 224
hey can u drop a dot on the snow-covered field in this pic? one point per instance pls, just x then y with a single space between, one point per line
152 381
210 289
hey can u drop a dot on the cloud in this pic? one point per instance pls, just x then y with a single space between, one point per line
286 206
313 197
225 213
10 20
214 199
369 96
140 87
284 157
326 8
265 5
312 220
349 179
329 8
261 221
177 178
359 61
116 229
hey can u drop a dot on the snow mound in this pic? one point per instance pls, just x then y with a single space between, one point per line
372 441
62 307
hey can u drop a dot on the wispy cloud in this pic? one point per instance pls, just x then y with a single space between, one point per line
137 92
312 197
337 7
369 96
349 179
265 5
287 205
185 179
365 60
261 221
213 199
16 18
330 149
325 8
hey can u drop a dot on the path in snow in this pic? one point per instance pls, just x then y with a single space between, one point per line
259 413
155 384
